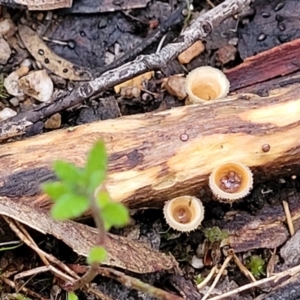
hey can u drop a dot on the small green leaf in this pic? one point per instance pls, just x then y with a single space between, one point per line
97 254
67 172
97 160
72 296
95 179
69 206
54 189
115 214
103 198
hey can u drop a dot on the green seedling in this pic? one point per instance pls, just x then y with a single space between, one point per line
79 190
215 234
198 279
256 265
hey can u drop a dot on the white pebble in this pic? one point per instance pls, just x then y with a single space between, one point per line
38 85
197 263
6 113
11 84
14 101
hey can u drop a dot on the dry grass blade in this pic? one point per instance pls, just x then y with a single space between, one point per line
226 262
243 269
207 278
23 289
288 217
276 277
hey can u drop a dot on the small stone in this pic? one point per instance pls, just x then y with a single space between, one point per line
175 85
226 54
12 86
14 101
26 63
38 85
290 252
7 28
5 51
190 53
22 71
197 263
53 122
6 113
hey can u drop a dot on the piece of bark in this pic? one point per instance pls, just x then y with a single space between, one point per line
262 88
154 157
278 61
267 228
121 252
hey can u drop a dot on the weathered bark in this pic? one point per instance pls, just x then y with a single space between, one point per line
278 61
156 156
267 228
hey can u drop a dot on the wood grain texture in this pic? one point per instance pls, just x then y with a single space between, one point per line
278 61
150 159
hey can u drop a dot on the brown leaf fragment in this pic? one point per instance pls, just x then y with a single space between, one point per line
48 59
122 252
190 53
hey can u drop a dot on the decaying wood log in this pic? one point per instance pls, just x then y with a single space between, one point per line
278 61
156 156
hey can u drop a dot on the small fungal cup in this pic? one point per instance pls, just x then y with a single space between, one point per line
206 83
184 213
231 181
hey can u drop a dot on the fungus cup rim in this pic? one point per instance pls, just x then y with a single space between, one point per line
217 173
193 204
211 76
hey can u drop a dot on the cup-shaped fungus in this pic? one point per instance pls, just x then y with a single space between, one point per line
231 181
206 83
184 213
